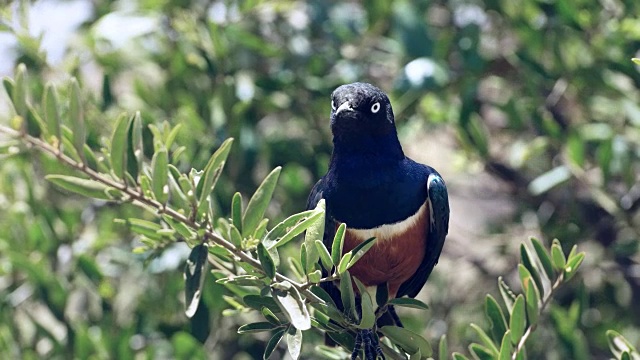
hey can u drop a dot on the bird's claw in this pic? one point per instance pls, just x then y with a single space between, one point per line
368 340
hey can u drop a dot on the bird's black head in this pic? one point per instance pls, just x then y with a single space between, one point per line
360 109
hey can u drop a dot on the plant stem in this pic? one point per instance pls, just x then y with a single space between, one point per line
136 196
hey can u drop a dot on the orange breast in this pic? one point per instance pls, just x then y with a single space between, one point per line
396 255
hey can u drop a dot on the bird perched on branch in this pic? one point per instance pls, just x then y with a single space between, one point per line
377 191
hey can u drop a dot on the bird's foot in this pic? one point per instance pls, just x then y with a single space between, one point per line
367 340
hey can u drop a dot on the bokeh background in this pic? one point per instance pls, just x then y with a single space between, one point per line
529 109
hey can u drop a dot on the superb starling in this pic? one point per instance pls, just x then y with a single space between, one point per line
377 191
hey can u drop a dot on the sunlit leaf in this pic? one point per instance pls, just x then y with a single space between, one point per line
255 327
572 265
259 202
296 230
508 296
194 274
482 353
532 297
409 302
159 166
557 256
368 317
294 342
443 348
496 317
543 255
349 259
348 296
119 146
266 261
270 316
488 342
292 305
76 114
210 176
526 259
325 257
52 113
506 346
313 234
236 211
337 245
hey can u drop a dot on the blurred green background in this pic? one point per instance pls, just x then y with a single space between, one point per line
530 110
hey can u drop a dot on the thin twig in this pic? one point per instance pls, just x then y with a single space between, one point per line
136 196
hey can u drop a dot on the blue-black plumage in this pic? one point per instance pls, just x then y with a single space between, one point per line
378 191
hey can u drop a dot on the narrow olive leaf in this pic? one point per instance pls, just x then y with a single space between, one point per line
323 294
416 356
261 230
303 257
532 297
443 348
119 146
557 256
325 257
409 303
528 263
256 327
506 347
259 202
10 88
294 342
51 113
618 344
257 302
19 94
407 339
76 114
139 226
525 276
211 174
518 321
292 305
368 316
360 250
273 343
285 225
136 143
481 353
92 161
315 232
159 166
338 243
236 211
241 280
84 187
457 356
315 276
490 345
636 61
35 124
270 316
507 294
347 295
543 255
266 261
194 274
180 227
296 230
497 320
172 136
572 265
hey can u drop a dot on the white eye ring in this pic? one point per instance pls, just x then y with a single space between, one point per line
375 108
333 105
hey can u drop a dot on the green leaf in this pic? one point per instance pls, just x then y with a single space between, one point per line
242 280
338 243
160 177
409 302
457 356
10 88
572 265
236 211
382 294
259 202
619 345
347 295
256 327
506 347
349 259
266 261
284 226
257 302
296 230
210 176
368 317
315 276
303 257
490 345
270 316
507 294
136 145
142 227
532 297
315 232
294 342
518 321
194 274
292 305
443 349
325 257
51 113
557 256
496 317
261 230
76 113
19 94
84 187
481 353
529 265
543 255
408 340
119 146
273 343
636 60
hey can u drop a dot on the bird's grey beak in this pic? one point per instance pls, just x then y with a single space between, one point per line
345 106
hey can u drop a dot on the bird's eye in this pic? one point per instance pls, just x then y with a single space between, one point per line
333 105
375 108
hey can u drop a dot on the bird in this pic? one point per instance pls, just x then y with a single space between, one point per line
377 191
